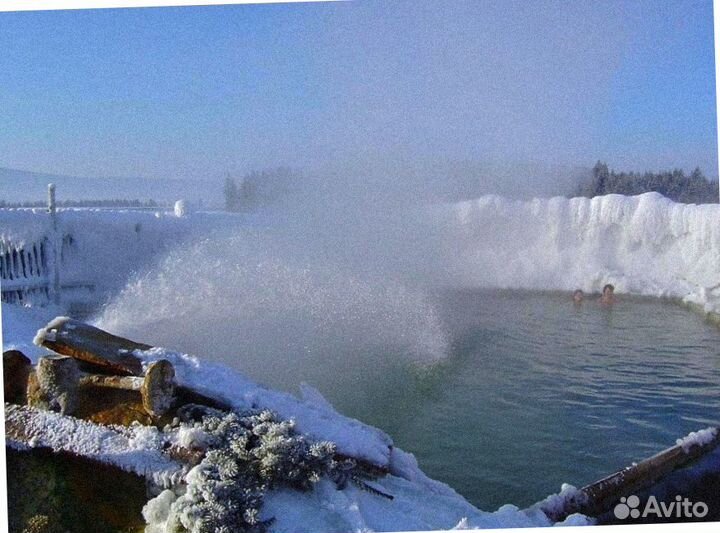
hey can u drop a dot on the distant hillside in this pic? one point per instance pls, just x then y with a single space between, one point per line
23 186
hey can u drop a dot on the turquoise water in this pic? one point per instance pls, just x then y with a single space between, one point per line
537 392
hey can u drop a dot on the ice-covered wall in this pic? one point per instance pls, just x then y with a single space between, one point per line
643 244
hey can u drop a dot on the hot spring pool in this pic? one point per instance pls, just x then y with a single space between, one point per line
527 391
536 392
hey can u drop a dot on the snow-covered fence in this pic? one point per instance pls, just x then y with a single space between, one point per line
30 269
87 253
24 271
33 271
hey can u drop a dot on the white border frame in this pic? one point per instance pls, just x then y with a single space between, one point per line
40 5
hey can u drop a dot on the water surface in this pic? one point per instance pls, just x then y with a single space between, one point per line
537 391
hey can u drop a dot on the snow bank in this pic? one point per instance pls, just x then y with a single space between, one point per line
136 450
21 226
419 503
643 244
413 508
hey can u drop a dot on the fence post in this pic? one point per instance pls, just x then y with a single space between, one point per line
55 244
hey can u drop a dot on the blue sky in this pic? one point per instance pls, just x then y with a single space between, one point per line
199 91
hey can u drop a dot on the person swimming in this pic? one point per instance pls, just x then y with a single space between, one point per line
608 295
578 296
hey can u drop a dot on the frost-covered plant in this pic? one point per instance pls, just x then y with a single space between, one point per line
247 455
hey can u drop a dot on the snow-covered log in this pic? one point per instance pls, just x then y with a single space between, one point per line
94 346
596 498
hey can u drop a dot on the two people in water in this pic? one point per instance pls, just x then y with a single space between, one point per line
606 298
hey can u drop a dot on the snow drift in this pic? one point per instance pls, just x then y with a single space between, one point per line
643 244
104 247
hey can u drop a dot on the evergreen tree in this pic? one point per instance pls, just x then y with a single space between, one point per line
600 178
674 184
231 194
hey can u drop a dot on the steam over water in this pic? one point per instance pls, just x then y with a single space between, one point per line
339 282
537 392
324 286
279 314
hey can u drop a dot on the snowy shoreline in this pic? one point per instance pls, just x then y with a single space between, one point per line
418 502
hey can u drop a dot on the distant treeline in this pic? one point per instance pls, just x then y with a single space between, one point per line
258 188
139 204
692 189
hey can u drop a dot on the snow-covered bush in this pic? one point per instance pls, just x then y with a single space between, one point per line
246 456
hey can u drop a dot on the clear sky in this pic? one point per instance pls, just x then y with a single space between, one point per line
196 92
